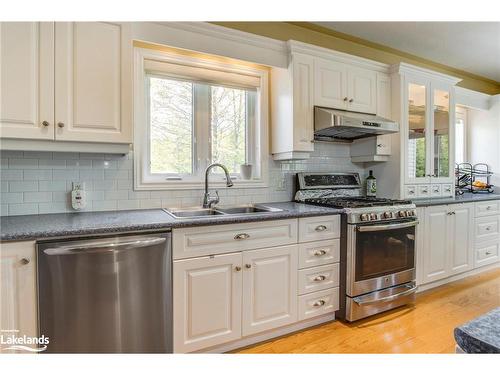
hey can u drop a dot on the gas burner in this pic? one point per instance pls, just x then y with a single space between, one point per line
355 202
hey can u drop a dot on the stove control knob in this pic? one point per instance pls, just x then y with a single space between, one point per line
364 217
402 213
373 216
388 215
410 213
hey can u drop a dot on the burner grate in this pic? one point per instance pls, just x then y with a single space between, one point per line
353 202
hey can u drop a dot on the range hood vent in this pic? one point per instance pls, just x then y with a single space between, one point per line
345 126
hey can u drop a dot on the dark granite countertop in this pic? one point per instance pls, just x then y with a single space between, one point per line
465 198
34 227
481 335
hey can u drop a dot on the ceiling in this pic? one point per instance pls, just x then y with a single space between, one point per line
473 47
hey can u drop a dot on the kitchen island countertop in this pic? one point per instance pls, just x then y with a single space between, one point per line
481 335
38 227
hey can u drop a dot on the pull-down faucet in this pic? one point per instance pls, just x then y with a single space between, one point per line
207 201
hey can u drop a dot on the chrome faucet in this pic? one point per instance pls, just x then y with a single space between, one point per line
207 201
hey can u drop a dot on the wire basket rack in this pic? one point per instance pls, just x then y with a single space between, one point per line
473 178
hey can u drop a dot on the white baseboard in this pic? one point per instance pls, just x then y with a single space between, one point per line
260 337
447 280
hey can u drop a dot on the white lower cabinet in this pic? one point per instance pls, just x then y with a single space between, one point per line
207 301
227 288
447 240
269 288
18 302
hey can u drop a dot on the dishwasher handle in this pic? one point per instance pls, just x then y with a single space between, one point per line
103 247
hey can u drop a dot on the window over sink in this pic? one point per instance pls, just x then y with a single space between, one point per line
191 112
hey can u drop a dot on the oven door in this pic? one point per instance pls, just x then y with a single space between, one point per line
380 255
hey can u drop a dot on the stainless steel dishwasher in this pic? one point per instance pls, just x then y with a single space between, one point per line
106 295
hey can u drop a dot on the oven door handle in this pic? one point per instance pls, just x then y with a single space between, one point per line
360 301
375 228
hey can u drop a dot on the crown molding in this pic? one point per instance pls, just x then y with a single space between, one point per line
295 46
404 68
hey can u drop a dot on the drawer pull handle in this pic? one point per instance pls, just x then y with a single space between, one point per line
320 278
24 261
319 253
488 253
237 268
319 303
248 265
488 208
242 236
487 228
320 228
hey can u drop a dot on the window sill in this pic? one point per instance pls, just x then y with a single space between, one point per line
196 185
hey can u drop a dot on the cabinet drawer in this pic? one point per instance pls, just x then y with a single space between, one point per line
436 190
218 239
319 228
487 254
318 303
487 208
410 191
486 228
318 278
317 253
423 191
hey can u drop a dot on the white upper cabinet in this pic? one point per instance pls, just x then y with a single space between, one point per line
27 80
66 81
337 85
92 80
330 84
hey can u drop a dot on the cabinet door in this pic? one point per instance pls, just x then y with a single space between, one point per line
207 301
460 241
303 127
384 110
442 150
27 80
330 84
361 90
93 82
436 248
18 302
269 288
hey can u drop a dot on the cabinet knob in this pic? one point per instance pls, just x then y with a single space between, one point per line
380 145
488 208
319 303
351 100
488 253
320 228
487 228
45 123
237 268
345 99
24 261
248 265
60 124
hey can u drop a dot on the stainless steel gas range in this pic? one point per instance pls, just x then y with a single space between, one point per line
377 247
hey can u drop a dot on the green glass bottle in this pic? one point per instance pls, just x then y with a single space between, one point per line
371 185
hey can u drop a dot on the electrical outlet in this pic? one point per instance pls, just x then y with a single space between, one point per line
78 186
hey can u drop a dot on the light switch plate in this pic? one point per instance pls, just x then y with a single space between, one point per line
78 186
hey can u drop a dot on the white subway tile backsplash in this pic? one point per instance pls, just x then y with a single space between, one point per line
21 186
37 182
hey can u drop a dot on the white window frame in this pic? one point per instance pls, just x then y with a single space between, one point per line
461 113
256 134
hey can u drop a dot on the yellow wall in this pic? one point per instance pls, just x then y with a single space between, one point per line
323 37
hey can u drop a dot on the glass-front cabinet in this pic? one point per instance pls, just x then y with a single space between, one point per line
427 127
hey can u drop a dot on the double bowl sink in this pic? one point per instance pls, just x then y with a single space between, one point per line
199 212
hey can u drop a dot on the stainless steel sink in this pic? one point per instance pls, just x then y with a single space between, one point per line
199 212
192 212
247 209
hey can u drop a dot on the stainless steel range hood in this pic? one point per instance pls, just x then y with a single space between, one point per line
338 125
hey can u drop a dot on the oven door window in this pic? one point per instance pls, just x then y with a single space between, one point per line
384 252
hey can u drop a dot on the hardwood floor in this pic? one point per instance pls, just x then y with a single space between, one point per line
425 328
